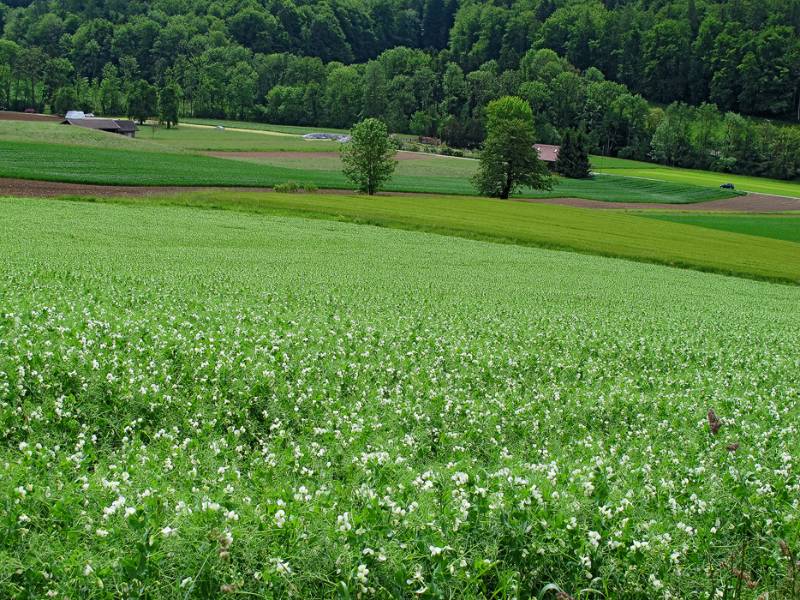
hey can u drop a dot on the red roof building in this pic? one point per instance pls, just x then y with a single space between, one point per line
547 153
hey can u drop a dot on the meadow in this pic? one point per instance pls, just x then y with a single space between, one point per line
203 403
632 168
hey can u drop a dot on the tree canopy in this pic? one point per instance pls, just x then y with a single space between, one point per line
368 157
509 160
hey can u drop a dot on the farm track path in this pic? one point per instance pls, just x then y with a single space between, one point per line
751 203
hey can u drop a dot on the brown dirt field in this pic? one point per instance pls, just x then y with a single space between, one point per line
399 155
755 203
7 115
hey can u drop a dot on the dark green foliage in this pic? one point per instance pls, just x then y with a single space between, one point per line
168 105
368 158
508 159
573 158
142 101
65 99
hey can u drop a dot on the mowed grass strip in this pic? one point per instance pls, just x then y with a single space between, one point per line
607 233
779 227
96 165
632 168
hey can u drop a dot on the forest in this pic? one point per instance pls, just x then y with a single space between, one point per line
693 83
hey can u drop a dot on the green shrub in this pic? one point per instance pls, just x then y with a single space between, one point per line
310 187
289 187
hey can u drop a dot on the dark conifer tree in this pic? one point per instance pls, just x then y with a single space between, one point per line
573 158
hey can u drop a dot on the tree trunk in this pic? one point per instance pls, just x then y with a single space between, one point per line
504 193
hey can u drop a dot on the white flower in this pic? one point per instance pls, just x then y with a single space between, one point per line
101 533
343 522
281 566
461 479
168 531
87 570
361 573
594 539
280 518
186 581
656 583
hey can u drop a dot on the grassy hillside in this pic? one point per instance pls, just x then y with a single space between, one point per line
55 133
89 164
194 402
609 233
779 227
632 168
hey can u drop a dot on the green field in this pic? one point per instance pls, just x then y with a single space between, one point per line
779 227
608 233
199 403
632 168
56 134
114 166
197 138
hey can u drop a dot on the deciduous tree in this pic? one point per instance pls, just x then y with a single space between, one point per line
369 156
509 160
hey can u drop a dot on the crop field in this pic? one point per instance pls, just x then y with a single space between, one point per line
779 227
197 403
607 233
632 168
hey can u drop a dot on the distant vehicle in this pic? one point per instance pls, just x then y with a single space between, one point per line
727 186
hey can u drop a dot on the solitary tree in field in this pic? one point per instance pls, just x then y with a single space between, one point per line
509 160
369 156
573 158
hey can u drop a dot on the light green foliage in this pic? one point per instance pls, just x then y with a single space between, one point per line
508 159
200 402
368 159
288 187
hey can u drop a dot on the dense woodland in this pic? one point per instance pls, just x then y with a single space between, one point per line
661 80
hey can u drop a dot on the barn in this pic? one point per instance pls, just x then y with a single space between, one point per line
119 126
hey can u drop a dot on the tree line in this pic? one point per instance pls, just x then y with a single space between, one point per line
431 67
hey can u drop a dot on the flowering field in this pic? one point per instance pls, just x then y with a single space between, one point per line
206 403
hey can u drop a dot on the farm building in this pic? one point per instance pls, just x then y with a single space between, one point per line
547 152
120 126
